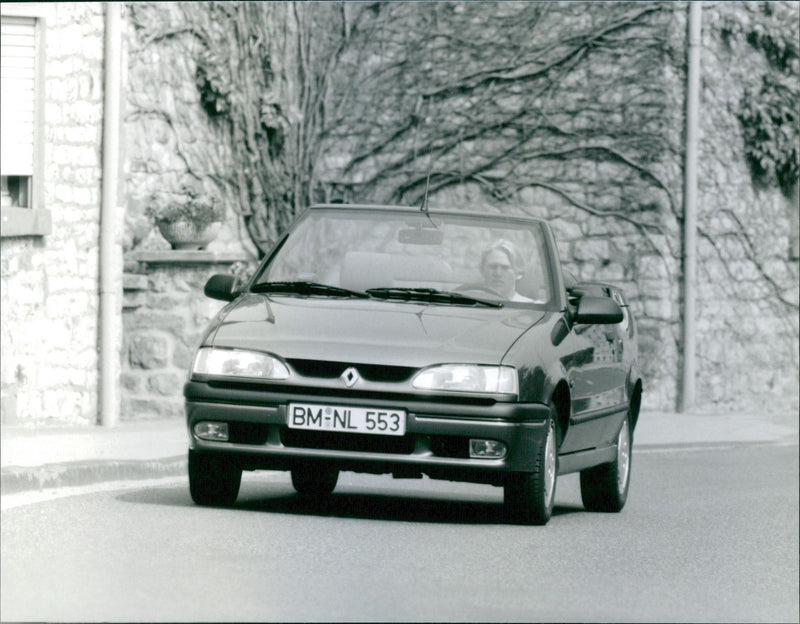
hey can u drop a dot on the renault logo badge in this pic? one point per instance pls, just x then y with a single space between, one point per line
350 377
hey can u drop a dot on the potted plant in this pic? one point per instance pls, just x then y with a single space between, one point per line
190 219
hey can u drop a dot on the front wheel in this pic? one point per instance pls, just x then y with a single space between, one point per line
314 482
529 496
213 480
605 487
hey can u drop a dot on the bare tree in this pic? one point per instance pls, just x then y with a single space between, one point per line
361 101
339 101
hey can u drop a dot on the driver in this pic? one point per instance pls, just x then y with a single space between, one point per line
501 267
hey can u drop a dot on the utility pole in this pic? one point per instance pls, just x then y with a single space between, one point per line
688 372
110 254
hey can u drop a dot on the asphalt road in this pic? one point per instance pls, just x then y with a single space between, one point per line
709 534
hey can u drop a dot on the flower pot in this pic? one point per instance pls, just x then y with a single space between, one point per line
187 234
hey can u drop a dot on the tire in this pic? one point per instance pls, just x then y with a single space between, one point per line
213 480
605 487
314 481
529 496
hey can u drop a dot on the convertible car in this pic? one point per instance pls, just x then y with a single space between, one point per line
395 340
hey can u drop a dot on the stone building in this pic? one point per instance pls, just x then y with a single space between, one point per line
747 292
52 118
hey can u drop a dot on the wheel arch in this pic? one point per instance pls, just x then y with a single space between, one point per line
636 403
562 400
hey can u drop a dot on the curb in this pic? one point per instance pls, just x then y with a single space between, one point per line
49 477
15 479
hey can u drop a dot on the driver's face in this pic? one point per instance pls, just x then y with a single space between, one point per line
499 273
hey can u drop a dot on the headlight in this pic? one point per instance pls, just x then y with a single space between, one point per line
468 378
236 363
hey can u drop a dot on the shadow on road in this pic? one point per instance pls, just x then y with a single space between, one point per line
396 507
401 506
172 496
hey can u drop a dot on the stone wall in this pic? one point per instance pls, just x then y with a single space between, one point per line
617 213
164 315
747 294
603 163
49 285
171 140
619 218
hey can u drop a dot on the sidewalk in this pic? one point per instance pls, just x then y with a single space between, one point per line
38 459
35 459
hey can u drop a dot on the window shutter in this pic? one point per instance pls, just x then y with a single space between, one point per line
17 94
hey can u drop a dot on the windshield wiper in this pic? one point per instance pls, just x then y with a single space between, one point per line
306 288
430 295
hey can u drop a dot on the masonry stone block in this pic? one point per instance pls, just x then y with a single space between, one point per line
133 299
132 382
182 355
608 199
566 230
630 289
586 272
611 272
660 309
143 409
149 351
131 281
166 384
166 301
652 267
593 250
148 319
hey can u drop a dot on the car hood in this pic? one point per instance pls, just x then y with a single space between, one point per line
369 331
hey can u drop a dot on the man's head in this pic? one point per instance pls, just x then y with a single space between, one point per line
501 267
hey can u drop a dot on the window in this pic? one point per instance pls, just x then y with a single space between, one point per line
21 129
15 191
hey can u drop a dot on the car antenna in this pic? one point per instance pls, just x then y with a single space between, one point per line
424 206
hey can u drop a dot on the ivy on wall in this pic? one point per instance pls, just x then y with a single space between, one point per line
769 110
771 130
354 101
361 101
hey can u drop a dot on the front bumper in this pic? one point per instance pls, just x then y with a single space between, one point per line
436 441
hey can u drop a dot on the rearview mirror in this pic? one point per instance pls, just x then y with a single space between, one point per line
420 236
598 310
222 287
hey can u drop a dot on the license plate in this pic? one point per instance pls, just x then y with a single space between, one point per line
347 419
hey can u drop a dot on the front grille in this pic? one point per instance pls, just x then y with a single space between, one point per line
247 433
450 446
363 443
369 372
298 393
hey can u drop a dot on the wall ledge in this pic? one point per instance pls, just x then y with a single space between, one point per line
25 222
185 257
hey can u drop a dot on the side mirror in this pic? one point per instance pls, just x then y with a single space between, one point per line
222 287
598 310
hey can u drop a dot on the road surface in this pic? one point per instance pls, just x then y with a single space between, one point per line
708 534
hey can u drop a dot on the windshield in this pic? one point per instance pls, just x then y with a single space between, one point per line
491 258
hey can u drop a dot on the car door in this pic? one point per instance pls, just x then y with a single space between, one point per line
597 378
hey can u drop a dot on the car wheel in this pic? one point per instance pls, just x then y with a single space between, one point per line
313 481
605 487
213 480
529 496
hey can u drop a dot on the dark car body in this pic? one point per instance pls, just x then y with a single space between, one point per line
574 363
